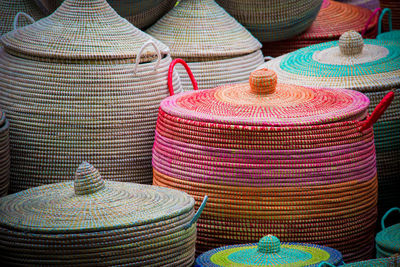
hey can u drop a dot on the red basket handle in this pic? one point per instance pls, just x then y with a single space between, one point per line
375 13
171 71
378 111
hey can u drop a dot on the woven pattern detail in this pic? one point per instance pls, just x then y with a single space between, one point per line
351 43
370 4
392 261
4 155
392 35
263 81
269 244
395 7
87 180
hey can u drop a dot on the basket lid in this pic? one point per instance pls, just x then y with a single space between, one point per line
269 252
392 35
262 101
90 203
203 29
388 239
351 63
82 29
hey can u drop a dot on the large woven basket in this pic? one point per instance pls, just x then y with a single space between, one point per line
74 90
375 71
10 8
141 13
287 160
273 20
333 20
217 48
269 251
370 4
98 223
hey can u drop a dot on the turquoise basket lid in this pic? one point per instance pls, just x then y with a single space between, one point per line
393 36
388 240
269 252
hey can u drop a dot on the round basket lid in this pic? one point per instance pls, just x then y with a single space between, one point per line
90 203
392 35
349 63
203 29
269 252
388 239
82 29
264 102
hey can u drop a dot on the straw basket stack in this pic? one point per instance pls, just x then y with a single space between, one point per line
287 160
269 251
4 155
82 89
217 48
333 20
10 8
370 4
369 66
273 20
141 13
98 223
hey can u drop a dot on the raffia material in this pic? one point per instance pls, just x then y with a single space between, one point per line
395 7
121 223
64 111
4 155
370 4
260 17
333 20
10 8
280 160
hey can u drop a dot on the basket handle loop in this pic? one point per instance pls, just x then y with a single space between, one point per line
171 71
386 10
198 213
139 54
16 18
378 111
387 214
375 13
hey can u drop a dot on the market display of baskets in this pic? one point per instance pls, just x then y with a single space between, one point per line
388 240
141 13
91 221
269 251
291 161
261 19
334 19
86 89
370 4
368 66
393 35
10 8
216 47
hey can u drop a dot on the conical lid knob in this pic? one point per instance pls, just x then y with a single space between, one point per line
87 180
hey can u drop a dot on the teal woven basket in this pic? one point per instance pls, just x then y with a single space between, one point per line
388 240
393 35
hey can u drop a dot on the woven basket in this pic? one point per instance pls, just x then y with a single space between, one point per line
333 20
4 155
388 240
375 71
370 4
393 261
269 251
97 222
391 34
10 8
85 99
279 159
261 19
395 7
141 13
217 48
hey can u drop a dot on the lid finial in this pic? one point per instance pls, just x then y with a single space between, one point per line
87 179
351 43
269 244
263 81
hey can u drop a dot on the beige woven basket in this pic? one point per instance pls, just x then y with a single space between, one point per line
87 98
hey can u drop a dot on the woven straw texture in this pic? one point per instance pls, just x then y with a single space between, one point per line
370 4
10 8
269 252
97 222
217 48
261 19
4 155
273 159
372 72
65 111
395 7
382 262
388 240
333 20
392 35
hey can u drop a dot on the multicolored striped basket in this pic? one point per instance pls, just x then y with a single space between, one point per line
369 66
269 251
273 20
10 8
370 4
292 161
388 240
83 89
99 223
141 13
333 20
4 155
395 7
217 48
393 35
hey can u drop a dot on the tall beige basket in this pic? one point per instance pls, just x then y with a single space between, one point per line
81 84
